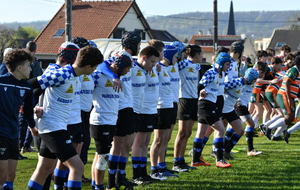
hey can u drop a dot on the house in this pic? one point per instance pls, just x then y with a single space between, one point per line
281 37
102 21
262 44
206 43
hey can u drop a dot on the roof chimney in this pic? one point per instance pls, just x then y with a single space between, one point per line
200 32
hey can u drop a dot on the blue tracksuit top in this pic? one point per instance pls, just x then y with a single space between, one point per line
13 94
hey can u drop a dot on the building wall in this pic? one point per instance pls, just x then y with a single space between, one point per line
131 22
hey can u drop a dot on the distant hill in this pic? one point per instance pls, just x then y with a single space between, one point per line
37 25
258 24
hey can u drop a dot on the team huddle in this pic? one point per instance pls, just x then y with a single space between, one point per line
121 101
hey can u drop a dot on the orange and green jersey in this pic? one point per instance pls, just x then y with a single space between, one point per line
293 75
284 67
269 75
273 88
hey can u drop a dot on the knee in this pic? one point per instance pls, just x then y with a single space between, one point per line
102 162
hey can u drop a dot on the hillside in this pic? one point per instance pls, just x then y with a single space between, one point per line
255 23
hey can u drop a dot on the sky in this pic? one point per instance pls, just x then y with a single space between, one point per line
34 10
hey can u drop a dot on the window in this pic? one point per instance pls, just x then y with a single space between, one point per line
59 33
118 33
141 33
279 44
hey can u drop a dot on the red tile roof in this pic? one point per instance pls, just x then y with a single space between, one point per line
90 19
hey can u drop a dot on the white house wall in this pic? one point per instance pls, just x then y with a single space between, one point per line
131 22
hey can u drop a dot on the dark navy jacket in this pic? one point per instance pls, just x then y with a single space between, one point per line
13 93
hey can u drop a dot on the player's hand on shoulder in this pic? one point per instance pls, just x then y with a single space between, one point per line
117 85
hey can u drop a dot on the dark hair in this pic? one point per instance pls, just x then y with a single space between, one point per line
270 51
296 53
222 49
89 55
31 46
297 60
192 50
290 56
285 48
149 51
15 58
275 60
261 53
261 66
159 45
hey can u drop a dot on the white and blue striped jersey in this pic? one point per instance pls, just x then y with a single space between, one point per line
105 101
126 98
221 85
165 99
175 78
149 102
189 78
75 113
58 98
233 91
210 81
246 95
86 92
233 71
138 83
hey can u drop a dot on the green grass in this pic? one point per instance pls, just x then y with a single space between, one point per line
276 168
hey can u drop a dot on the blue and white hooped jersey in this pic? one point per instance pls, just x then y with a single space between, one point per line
233 91
86 92
210 81
175 78
165 99
105 101
189 78
149 102
58 97
138 83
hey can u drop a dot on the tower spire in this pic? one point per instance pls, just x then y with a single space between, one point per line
231 25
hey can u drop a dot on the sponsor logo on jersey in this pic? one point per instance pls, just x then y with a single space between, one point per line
70 89
138 73
108 83
153 74
236 69
217 82
5 88
85 78
22 92
165 74
173 70
239 91
191 70
68 141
